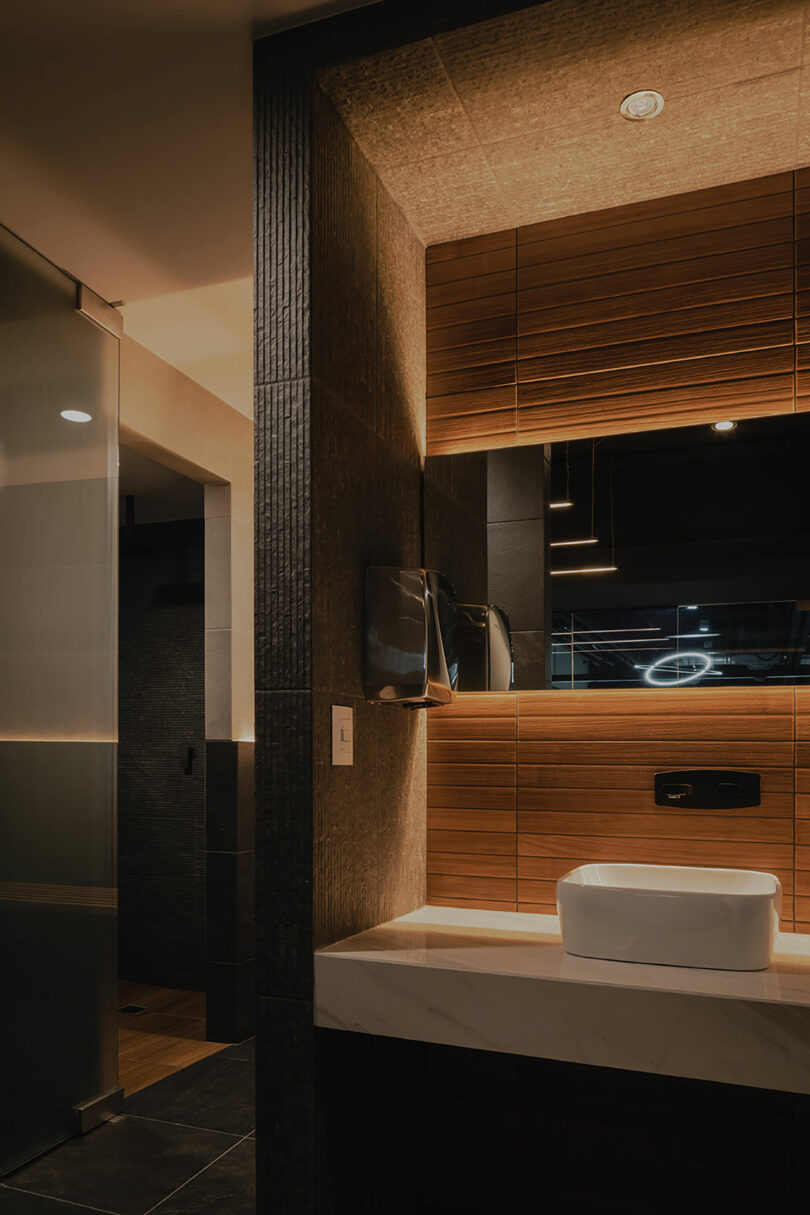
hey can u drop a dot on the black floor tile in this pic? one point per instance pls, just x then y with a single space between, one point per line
126 1166
228 1186
16 1202
215 1094
245 1051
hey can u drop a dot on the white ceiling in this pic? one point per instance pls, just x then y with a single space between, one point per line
125 146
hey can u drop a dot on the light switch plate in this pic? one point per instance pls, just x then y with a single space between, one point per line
342 735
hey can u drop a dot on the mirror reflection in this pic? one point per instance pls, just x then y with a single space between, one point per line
668 558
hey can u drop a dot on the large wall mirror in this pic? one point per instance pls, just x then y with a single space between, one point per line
667 558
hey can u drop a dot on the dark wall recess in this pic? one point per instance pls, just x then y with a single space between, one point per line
161 796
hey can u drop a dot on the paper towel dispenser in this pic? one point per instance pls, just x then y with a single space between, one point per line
411 642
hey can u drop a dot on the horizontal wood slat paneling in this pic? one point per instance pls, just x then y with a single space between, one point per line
697 221
651 315
777 183
648 307
525 786
648 255
672 325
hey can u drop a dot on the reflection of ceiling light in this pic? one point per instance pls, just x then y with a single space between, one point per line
722 426
75 415
559 505
566 645
642 628
644 104
588 569
676 660
690 607
571 543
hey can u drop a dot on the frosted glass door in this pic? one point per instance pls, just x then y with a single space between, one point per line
58 505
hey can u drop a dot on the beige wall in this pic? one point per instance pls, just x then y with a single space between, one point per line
170 418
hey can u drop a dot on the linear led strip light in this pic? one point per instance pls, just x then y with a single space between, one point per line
587 569
573 543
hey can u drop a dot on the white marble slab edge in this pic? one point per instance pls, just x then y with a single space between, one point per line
501 981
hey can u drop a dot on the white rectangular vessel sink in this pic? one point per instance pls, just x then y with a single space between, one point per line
721 919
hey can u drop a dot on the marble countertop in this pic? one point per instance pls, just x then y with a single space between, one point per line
502 981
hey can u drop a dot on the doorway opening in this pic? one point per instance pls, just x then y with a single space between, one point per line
161 773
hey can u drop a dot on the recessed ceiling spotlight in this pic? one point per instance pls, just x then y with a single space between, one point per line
644 104
76 415
723 426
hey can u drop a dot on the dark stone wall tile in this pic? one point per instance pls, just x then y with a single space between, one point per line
229 1001
400 332
345 499
283 529
230 906
455 522
532 658
285 1110
282 122
516 577
284 828
161 807
401 790
344 264
516 486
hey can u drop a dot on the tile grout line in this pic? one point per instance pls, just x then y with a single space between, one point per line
194 1176
81 1206
189 1126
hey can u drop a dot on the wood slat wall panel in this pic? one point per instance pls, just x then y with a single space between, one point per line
672 324
472 823
645 316
802 823
539 776
582 788
777 183
671 274
612 261
751 398
657 351
720 701
470 245
649 307
691 372
696 220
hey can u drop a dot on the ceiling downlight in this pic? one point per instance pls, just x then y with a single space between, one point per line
639 106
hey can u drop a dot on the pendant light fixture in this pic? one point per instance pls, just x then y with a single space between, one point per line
592 539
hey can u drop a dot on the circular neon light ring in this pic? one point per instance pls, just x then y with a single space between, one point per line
669 658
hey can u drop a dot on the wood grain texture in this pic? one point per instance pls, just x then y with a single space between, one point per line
646 316
547 781
170 1036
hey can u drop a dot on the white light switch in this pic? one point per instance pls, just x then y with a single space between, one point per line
342 735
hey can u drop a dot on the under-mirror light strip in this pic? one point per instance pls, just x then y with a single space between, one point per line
587 569
558 505
573 543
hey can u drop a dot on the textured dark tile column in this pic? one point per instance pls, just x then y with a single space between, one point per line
340 400
284 981
230 888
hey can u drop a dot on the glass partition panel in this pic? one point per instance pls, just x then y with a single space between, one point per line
58 522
